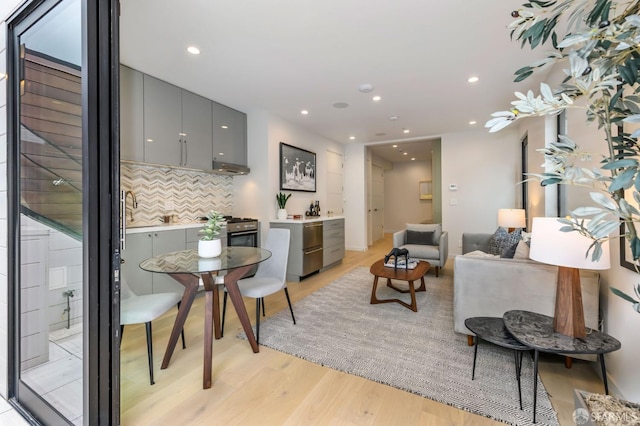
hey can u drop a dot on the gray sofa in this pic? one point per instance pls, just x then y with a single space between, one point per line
436 255
485 286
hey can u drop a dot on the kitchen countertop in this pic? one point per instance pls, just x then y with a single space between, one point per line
306 219
162 227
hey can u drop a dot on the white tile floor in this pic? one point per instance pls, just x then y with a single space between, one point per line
58 381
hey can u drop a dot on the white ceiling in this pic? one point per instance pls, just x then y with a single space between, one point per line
288 55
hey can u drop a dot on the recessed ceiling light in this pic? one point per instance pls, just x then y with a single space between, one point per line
413 158
376 98
472 122
304 112
406 131
340 105
149 140
221 153
395 146
224 126
404 153
365 87
473 79
193 50
352 137
393 117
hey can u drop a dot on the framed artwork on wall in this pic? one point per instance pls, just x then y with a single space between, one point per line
297 169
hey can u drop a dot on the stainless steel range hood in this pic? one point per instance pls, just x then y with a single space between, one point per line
229 169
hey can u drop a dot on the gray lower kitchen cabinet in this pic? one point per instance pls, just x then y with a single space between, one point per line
162 122
333 241
144 245
197 131
131 114
229 135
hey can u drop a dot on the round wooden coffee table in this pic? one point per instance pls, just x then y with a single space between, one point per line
410 275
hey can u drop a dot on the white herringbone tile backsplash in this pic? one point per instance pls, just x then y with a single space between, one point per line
191 193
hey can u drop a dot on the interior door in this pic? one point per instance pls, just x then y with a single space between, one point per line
377 203
334 178
63 242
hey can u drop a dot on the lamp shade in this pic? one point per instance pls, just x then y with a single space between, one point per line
552 246
511 218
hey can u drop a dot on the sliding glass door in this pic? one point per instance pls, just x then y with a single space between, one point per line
63 166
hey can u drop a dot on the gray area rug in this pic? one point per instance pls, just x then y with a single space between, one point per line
417 352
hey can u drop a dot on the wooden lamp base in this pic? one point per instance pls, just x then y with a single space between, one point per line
569 312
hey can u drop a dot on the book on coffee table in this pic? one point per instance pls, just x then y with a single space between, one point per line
401 263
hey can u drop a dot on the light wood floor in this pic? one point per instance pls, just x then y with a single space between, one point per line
272 388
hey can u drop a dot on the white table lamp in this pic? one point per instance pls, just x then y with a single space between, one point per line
512 218
567 250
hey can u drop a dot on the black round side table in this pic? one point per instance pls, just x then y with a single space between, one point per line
492 330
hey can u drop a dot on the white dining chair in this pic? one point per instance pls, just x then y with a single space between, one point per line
142 309
270 277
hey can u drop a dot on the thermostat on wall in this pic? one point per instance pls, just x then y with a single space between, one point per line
453 187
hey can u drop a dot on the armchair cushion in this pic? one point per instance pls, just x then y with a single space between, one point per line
436 228
425 238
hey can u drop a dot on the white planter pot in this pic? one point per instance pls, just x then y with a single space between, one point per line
211 248
282 214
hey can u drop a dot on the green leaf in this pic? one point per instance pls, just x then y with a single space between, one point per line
620 164
523 76
634 245
623 180
623 295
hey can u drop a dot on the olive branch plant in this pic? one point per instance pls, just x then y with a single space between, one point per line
598 44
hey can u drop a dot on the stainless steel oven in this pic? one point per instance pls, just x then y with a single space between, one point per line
242 232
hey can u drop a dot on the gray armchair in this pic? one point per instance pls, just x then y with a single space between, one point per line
425 242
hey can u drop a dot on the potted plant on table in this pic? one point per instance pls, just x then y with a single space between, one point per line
282 199
209 245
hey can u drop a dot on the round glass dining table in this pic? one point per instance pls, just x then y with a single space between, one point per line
186 267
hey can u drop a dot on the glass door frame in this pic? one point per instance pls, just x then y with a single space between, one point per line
101 180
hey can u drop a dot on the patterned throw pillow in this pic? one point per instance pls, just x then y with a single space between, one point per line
502 240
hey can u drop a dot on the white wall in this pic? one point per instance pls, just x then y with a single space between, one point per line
355 207
486 168
255 194
402 203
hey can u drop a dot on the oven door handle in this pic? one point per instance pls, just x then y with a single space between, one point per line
233 234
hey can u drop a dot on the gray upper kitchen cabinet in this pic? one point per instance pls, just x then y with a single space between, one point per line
196 131
229 135
162 122
131 114
144 245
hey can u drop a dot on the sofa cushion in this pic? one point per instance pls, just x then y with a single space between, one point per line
436 228
421 251
502 240
425 238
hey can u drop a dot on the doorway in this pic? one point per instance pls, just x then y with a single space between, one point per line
377 203
62 169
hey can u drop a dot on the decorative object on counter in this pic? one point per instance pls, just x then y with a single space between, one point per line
297 169
282 199
314 209
209 245
170 218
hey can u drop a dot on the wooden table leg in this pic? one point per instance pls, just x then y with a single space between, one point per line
209 321
374 300
414 304
231 283
190 283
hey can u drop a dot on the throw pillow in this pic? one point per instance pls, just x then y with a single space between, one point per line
522 250
423 238
509 251
501 239
426 227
